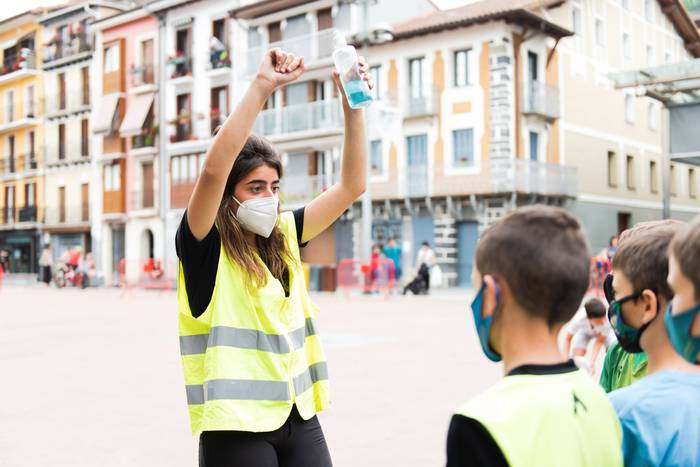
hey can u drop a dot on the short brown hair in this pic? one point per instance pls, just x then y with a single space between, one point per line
595 308
685 247
541 252
643 255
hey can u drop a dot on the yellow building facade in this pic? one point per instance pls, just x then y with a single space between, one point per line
21 137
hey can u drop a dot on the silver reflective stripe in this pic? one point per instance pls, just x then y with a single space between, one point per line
316 372
191 345
247 339
243 389
310 329
195 394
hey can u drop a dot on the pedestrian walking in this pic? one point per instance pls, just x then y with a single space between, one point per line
425 260
393 252
46 264
254 368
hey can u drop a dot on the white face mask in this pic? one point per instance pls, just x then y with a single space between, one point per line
258 215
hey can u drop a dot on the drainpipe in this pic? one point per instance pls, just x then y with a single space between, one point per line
162 134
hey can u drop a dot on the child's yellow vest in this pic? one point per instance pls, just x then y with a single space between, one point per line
252 354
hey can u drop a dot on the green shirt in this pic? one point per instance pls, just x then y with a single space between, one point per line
622 368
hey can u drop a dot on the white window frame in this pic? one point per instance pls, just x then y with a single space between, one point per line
629 109
111 58
381 169
599 32
467 52
626 46
9 104
472 164
649 10
378 89
175 167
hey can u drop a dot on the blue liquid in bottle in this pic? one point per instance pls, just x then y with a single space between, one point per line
358 93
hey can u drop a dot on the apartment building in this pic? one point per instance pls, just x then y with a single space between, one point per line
66 65
21 186
613 137
127 224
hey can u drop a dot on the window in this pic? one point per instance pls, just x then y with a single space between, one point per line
415 77
653 116
576 21
376 159
631 179
653 177
85 84
61 141
674 185
112 53
84 138
376 72
29 104
461 71
692 184
629 108
463 148
31 148
650 55
534 146
112 177
626 46
30 194
599 32
11 152
219 106
219 30
612 169
9 106
667 57
185 169
61 91
649 10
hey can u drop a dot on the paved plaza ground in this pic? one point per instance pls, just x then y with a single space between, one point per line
93 378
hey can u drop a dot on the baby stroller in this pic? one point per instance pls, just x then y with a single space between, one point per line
419 284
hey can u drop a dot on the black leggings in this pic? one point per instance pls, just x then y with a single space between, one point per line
297 443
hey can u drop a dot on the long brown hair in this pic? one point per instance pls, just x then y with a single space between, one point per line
273 251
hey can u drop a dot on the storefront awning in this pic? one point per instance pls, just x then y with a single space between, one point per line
136 115
104 116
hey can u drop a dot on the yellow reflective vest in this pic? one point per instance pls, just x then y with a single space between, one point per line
252 354
560 419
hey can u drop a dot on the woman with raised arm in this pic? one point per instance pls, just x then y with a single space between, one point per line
255 372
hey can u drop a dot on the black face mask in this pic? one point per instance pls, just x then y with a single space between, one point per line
627 336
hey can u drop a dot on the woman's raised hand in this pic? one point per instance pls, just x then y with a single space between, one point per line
279 68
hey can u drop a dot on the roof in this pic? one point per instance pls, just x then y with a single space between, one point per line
676 12
518 11
264 7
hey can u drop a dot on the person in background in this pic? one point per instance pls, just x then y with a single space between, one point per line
584 329
425 257
393 252
660 413
5 260
45 264
545 411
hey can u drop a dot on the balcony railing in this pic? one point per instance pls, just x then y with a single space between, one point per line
314 46
24 61
71 214
141 199
533 177
17 164
183 130
70 101
8 215
319 115
147 139
417 181
182 65
142 75
59 49
422 104
541 99
28 214
19 110
297 190
219 58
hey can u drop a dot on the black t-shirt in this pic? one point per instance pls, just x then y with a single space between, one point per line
469 443
200 260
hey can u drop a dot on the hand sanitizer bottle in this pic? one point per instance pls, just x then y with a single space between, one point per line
345 59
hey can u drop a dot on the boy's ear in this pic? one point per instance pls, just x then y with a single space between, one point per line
490 300
651 306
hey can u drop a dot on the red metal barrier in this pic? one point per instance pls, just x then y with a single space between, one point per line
150 274
376 276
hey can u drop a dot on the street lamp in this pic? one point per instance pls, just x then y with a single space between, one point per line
380 34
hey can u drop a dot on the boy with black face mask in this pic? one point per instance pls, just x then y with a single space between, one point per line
531 271
660 413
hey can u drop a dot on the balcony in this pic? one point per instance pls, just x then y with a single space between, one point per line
147 139
182 65
24 65
28 214
8 216
422 104
76 101
532 177
313 47
314 116
219 59
299 190
183 130
72 215
19 115
17 166
142 75
141 199
541 100
58 51
417 181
